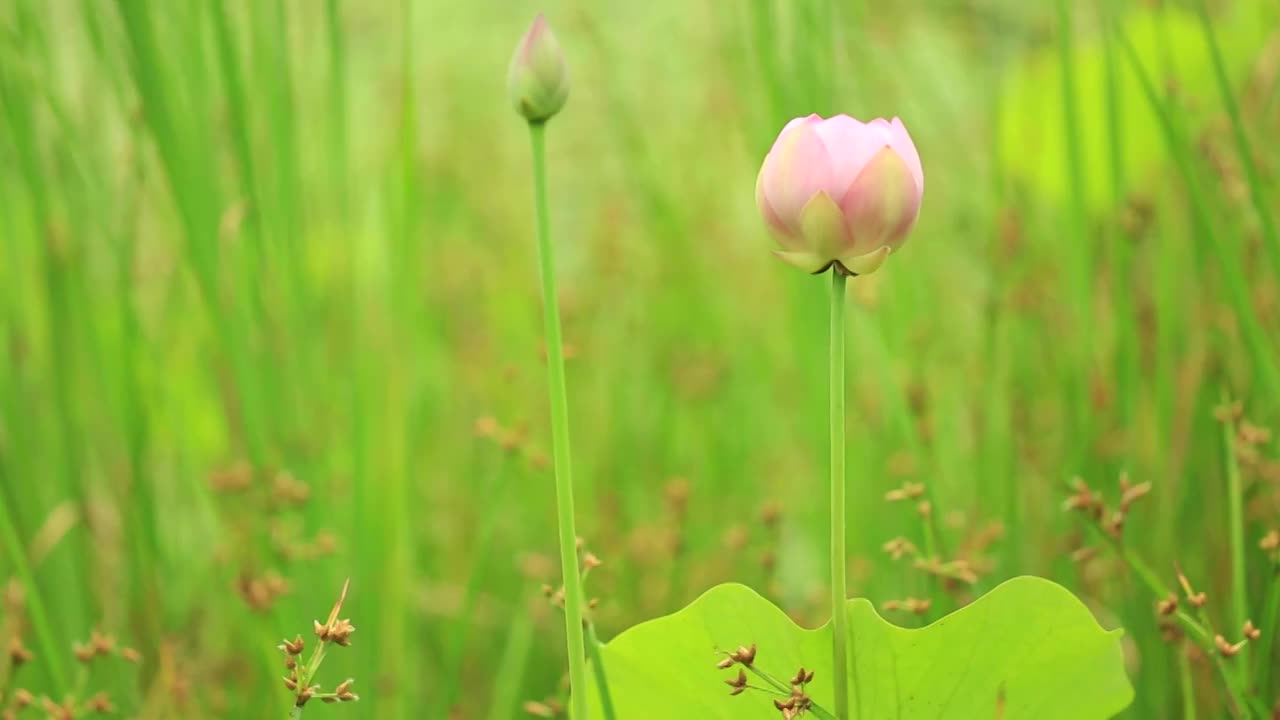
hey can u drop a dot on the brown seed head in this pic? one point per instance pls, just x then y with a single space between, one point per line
131 655
676 494
101 644
746 655
343 691
325 543
771 514
18 653
65 711
768 560
590 561
235 479
899 547
307 694
340 632
294 646
726 663
1251 632
1114 525
1271 541
1229 411
1084 554
100 703
736 537
1196 599
1225 648
486 426
918 606
537 709
908 491
1134 494
1251 434
1168 606
536 566
22 698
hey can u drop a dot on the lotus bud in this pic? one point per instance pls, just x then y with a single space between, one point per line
538 80
840 193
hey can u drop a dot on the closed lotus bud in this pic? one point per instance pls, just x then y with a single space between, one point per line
538 80
839 192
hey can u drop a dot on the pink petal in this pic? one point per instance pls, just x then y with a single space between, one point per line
795 170
882 204
794 123
851 144
902 144
766 211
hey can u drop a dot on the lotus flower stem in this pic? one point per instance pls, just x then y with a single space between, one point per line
839 592
559 431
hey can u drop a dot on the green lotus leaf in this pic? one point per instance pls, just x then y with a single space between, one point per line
1029 644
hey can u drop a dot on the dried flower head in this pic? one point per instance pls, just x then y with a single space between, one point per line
301 677
738 683
18 653
294 646
1227 649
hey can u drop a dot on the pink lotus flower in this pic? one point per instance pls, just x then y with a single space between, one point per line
840 192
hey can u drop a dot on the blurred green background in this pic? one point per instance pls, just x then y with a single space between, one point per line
270 320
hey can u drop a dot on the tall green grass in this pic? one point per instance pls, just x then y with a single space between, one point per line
294 235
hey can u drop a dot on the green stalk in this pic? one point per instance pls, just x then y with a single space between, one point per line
511 666
16 553
1235 519
1270 616
784 690
598 669
840 659
1188 686
1202 217
1243 149
1199 630
559 431
456 644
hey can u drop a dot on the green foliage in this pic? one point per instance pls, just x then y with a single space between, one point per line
1028 640
295 236
1032 116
